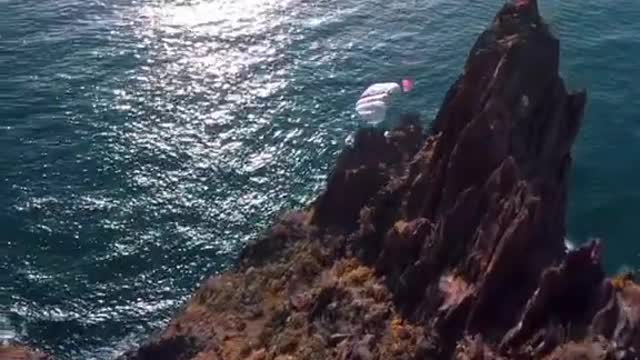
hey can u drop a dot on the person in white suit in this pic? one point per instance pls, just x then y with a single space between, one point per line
376 99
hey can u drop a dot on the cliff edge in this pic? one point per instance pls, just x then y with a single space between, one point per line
438 244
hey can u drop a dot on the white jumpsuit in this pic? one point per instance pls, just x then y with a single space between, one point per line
374 101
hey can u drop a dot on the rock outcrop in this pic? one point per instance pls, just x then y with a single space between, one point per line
444 244
15 352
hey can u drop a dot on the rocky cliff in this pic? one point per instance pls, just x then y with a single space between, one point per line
446 243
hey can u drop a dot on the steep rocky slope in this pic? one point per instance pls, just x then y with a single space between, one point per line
437 244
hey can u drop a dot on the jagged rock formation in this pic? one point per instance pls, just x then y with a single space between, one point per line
448 245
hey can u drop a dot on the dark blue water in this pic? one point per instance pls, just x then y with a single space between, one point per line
144 142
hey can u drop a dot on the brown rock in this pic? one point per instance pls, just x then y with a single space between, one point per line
259 355
15 352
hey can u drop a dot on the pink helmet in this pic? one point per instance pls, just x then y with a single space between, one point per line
407 85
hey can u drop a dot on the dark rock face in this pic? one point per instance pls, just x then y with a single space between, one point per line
491 182
449 245
361 171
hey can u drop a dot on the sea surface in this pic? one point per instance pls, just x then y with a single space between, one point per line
144 142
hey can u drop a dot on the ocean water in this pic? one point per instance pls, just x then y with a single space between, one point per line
144 142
